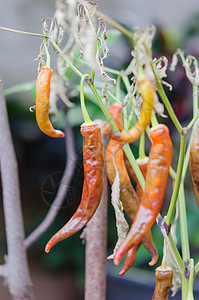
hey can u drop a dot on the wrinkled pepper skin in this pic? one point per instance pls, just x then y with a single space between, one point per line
128 196
131 254
194 163
93 184
156 178
42 97
147 92
163 282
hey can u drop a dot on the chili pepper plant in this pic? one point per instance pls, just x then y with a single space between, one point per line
133 106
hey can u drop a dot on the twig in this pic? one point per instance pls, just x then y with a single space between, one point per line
96 241
18 277
59 199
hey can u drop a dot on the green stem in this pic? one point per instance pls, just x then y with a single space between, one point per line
112 71
86 116
166 102
52 42
127 86
173 248
118 88
176 254
186 160
23 32
191 277
65 58
114 98
183 225
142 146
174 197
184 287
126 82
134 165
172 173
103 108
196 269
195 99
154 120
190 125
129 68
125 147
47 54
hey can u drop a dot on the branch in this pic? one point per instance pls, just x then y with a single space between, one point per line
18 277
59 199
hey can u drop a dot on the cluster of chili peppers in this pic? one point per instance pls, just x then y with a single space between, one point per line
142 207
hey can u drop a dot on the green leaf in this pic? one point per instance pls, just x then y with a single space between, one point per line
112 36
28 86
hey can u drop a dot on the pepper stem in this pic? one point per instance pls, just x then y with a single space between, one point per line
86 116
47 53
142 146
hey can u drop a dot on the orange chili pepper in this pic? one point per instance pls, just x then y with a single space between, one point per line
156 178
42 90
163 282
131 254
93 184
128 196
194 164
147 92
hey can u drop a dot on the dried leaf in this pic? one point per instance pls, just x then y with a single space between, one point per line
121 223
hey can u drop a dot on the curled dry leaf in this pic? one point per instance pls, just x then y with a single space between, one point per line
121 223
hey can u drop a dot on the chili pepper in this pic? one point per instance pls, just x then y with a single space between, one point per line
128 197
194 163
131 254
156 178
42 91
147 92
93 184
163 282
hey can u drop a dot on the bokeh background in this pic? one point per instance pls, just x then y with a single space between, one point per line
60 274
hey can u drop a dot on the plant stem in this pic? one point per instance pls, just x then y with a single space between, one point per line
183 225
52 42
190 283
154 120
47 54
127 86
142 146
65 58
118 88
166 102
86 116
23 32
114 24
174 197
190 125
184 287
125 147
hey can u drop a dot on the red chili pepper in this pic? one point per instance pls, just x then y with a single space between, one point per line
128 197
93 184
147 92
156 178
194 163
42 90
163 282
